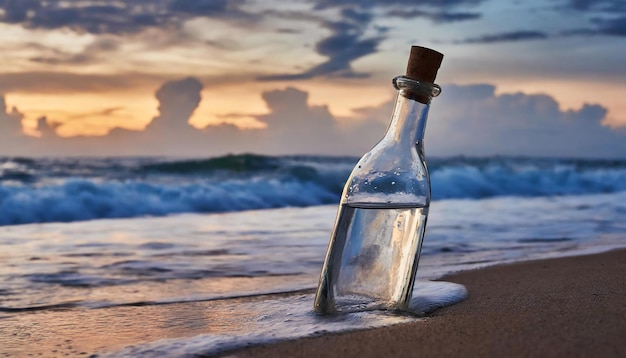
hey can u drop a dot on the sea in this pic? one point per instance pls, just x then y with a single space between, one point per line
241 240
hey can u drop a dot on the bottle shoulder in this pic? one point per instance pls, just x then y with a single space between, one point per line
383 177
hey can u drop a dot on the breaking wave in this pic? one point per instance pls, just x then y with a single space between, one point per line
52 190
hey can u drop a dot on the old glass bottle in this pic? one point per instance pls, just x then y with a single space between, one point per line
375 246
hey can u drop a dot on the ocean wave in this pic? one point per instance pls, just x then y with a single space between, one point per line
476 182
62 190
231 163
79 199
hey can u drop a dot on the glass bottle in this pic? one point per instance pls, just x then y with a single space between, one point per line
375 246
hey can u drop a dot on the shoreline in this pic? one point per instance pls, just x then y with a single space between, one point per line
570 306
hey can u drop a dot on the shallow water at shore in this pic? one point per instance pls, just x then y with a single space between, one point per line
192 257
233 267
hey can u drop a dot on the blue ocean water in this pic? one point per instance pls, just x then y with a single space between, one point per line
65 190
251 231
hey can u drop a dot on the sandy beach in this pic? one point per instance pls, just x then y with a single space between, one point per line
566 307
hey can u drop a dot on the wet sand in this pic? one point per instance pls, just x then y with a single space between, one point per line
567 307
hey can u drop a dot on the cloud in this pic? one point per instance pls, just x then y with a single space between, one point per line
114 17
292 123
597 5
467 120
177 100
346 44
52 82
614 26
169 131
351 37
204 7
386 3
475 121
286 30
10 128
603 26
440 16
353 34
505 37
292 126
79 16
92 53
63 82
472 120
608 17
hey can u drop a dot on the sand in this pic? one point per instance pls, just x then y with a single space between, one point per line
566 307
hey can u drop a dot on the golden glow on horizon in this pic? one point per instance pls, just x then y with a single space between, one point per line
231 92
342 100
95 114
91 114
233 105
239 105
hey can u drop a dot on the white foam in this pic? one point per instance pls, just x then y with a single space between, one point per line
286 318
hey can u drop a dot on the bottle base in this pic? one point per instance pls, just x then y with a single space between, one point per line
359 303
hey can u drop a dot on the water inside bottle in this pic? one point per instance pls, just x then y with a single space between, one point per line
378 251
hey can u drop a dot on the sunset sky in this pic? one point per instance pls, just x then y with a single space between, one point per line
209 77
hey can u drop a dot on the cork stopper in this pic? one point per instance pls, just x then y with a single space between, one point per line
423 64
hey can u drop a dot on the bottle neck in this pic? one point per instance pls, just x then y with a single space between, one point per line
408 121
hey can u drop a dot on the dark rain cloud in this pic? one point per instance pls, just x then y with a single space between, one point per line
505 37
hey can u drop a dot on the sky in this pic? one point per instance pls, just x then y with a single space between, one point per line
204 78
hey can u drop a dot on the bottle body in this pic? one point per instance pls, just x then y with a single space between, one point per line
373 260
375 246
